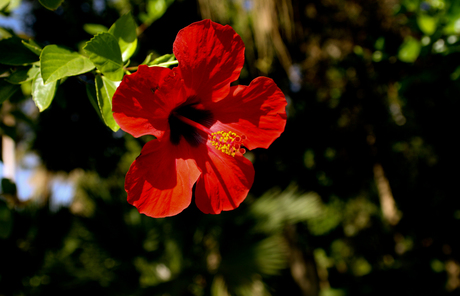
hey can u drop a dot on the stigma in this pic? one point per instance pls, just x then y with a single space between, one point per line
228 142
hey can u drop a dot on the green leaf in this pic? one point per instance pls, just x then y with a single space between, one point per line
409 50
57 62
43 94
105 90
155 9
124 29
10 5
7 90
147 59
23 74
94 29
14 53
92 96
411 5
51 4
380 43
452 27
5 33
427 24
456 74
3 4
104 52
32 46
163 59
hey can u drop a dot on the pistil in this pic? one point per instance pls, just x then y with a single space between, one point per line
227 142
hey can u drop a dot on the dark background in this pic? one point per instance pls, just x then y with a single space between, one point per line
359 195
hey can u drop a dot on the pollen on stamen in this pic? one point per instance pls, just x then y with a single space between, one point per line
228 142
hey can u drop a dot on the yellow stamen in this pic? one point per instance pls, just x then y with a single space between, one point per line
227 142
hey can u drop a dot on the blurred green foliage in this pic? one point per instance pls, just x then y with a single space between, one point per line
357 197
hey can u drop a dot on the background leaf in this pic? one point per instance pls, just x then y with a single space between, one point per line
155 9
14 53
43 94
3 4
124 29
105 90
7 90
57 62
409 50
51 4
104 52
32 46
23 74
427 24
13 4
94 29
4 68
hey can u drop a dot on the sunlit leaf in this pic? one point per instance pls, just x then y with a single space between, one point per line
105 90
409 50
147 59
275 209
163 59
3 4
124 29
51 4
14 53
155 9
57 62
328 219
218 287
43 94
427 24
104 52
32 46
452 27
94 29
23 74
7 90
11 5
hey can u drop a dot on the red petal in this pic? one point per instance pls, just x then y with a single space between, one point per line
257 111
139 105
210 57
159 182
224 183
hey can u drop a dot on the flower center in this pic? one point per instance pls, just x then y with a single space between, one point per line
227 142
179 128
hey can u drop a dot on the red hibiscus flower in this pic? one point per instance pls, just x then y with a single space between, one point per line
202 124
